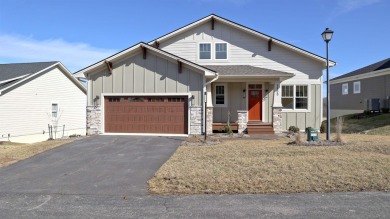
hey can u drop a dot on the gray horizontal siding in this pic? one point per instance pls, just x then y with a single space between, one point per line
151 75
375 87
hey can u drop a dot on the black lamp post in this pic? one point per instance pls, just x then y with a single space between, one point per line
327 36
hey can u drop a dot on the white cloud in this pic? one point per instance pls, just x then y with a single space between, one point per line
74 56
345 6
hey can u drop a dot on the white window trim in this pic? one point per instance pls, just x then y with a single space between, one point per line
360 88
308 110
51 109
226 95
342 89
215 51
198 51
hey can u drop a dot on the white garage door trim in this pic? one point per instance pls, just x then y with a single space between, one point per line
189 95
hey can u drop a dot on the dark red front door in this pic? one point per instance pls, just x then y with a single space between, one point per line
254 104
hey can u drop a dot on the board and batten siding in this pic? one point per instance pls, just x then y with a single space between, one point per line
151 75
306 119
26 109
243 49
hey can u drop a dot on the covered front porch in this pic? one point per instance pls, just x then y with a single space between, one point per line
250 102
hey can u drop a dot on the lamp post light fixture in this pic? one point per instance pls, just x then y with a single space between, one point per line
327 36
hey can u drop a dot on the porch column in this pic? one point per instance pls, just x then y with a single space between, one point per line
209 110
277 108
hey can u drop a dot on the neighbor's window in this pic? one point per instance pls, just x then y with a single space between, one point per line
54 110
221 51
295 96
356 87
344 89
205 51
220 95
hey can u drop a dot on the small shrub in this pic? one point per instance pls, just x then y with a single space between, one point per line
300 138
323 127
293 129
366 112
385 110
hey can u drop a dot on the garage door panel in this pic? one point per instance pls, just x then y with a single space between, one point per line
146 115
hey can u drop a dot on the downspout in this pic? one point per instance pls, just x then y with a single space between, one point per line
205 103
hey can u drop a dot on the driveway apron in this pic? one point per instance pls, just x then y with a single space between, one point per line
99 165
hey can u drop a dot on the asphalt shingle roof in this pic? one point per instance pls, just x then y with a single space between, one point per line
370 68
9 71
245 70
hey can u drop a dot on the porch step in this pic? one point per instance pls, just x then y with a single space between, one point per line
257 127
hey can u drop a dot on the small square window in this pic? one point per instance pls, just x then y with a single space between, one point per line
221 51
344 88
204 51
356 87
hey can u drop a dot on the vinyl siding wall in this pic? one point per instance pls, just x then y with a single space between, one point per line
25 110
375 87
243 49
306 119
151 75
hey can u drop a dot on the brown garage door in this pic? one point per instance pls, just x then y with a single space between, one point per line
146 115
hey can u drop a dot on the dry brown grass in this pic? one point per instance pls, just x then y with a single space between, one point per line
272 166
14 152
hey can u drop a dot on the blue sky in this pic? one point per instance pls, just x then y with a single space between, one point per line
79 33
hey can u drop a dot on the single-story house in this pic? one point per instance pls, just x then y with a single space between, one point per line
39 101
203 75
367 88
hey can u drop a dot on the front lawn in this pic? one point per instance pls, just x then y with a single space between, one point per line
272 166
14 152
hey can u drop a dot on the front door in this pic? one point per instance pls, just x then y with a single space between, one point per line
254 104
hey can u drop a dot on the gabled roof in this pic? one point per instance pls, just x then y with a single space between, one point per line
384 64
13 74
245 29
136 47
246 70
15 70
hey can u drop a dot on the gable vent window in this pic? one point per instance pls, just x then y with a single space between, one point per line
54 110
205 51
221 51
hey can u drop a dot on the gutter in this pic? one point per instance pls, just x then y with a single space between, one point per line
205 103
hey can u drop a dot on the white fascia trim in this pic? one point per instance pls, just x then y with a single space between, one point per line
72 78
262 76
362 76
28 77
12 79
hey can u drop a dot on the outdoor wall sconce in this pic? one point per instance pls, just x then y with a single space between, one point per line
243 93
266 90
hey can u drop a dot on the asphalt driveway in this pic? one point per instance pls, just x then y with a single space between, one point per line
98 165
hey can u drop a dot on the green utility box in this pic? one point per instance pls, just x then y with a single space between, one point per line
312 134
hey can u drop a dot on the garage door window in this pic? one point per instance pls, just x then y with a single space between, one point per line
114 99
136 99
155 99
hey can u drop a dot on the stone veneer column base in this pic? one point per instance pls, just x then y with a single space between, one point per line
94 124
195 120
209 121
277 119
242 120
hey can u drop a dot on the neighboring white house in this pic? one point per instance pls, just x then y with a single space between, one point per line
34 96
259 83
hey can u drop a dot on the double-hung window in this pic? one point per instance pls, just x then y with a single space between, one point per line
356 87
220 95
204 50
54 110
344 89
295 97
221 51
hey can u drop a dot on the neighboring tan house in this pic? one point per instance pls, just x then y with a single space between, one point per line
34 96
260 83
367 88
